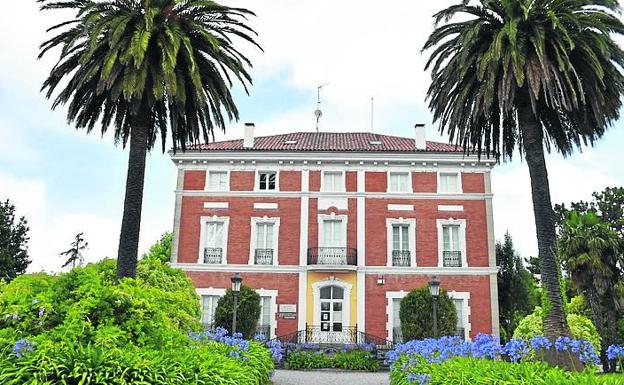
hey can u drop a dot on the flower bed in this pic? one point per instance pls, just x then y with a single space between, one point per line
348 357
451 360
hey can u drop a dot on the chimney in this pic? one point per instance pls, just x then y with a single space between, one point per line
248 140
419 138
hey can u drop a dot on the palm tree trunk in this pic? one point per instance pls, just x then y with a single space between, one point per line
131 221
555 323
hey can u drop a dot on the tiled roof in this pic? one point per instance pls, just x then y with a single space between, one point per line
328 141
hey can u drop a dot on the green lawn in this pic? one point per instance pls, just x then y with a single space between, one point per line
611 379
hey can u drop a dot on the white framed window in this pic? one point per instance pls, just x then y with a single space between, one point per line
333 181
461 300
401 241
213 240
268 307
267 181
399 182
264 241
208 300
393 311
218 180
449 183
332 240
452 243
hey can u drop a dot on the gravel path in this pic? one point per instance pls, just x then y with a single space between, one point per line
298 377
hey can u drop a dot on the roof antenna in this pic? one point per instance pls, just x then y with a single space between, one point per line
318 113
372 112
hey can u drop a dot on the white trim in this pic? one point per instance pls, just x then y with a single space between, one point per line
202 236
370 270
346 306
210 291
465 296
253 238
216 205
390 297
317 194
411 233
302 307
266 170
177 215
462 239
361 301
332 170
450 208
340 203
459 181
265 206
361 233
321 223
273 294
396 207
227 178
409 182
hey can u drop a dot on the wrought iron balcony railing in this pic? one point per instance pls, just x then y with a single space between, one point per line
460 332
397 335
452 258
263 256
213 255
264 330
332 256
401 258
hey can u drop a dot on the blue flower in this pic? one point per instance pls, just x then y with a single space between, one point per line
614 352
540 342
516 349
41 311
421 379
15 317
23 347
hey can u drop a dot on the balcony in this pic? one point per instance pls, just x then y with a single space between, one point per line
332 258
452 259
213 255
401 258
264 331
263 256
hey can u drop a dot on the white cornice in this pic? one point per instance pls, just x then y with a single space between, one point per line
320 194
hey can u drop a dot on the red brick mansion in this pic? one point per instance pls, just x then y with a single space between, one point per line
333 229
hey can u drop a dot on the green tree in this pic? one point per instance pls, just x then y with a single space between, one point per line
147 67
516 289
74 253
590 253
532 75
161 250
247 311
416 315
13 243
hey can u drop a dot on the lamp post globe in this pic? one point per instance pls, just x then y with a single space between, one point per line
434 290
237 282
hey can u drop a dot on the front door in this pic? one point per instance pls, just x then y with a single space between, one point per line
332 298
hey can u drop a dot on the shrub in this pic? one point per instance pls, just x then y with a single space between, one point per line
578 305
348 360
581 328
247 313
83 328
417 318
460 371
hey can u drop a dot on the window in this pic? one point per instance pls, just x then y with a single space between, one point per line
267 180
401 235
397 332
449 183
218 181
213 240
459 309
333 181
462 308
208 308
264 322
452 242
333 233
399 182
264 243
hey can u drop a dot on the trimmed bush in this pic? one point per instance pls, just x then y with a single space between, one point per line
417 318
581 328
347 360
247 313
461 371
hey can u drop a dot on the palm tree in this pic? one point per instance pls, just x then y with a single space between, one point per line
145 67
590 253
530 74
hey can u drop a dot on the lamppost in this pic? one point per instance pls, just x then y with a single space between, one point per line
237 282
434 290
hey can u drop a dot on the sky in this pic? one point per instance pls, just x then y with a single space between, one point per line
65 181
